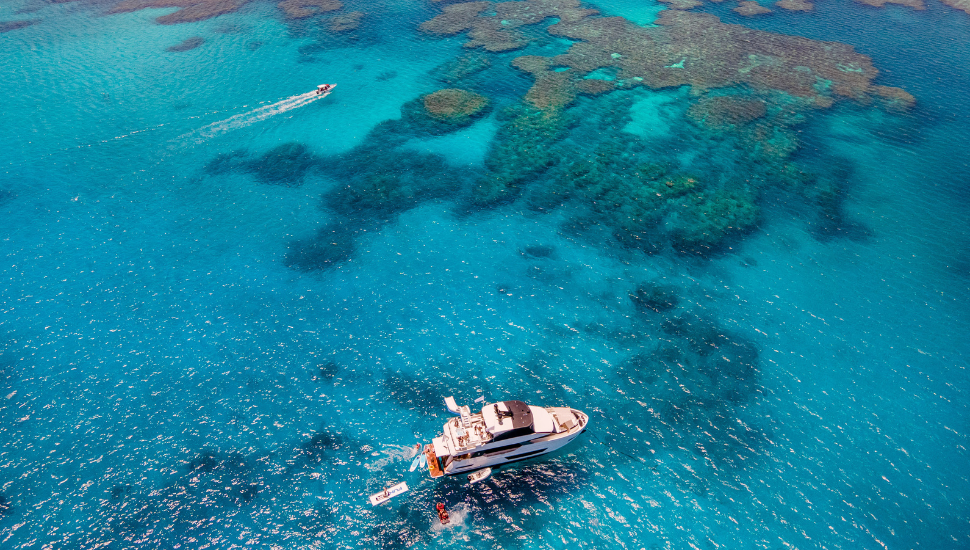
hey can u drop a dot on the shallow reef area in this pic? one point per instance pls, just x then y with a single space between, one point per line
747 92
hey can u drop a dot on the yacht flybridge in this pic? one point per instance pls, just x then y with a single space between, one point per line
501 433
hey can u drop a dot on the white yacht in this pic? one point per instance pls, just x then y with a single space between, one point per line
325 89
501 433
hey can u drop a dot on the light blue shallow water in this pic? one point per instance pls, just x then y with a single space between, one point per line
166 381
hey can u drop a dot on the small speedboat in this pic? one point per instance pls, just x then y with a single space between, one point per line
501 433
325 88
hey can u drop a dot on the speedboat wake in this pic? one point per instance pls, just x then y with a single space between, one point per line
249 118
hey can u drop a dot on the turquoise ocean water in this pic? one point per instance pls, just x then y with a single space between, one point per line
181 367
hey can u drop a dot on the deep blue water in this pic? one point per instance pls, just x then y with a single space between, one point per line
169 378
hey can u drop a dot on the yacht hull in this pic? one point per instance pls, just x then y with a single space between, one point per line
493 456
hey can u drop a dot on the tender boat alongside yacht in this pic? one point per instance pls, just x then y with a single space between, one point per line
501 433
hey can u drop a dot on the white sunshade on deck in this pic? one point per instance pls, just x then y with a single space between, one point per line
494 424
542 421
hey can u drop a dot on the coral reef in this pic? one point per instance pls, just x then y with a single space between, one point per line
958 4
463 67
725 358
648 205
726 111
795 5
915 4
521 149
750 8
378 184
697 375
385 76
455 18
752 87
284 165
683 4
346 22
212 486
684 49
332 245
327 370
553 90
499 30
7 26
191 10
437 113
539 251
700 221
187 44
655 297
895 98
321 446
299 9
726 56
454 106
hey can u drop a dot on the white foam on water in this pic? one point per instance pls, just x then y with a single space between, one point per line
389 455
249 118
456 524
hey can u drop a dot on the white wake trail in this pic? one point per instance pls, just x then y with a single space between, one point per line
246 119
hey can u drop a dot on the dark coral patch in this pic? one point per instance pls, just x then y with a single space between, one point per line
327 370
285 165
211 487
539 251
7 26
333 244
6 196
225 163
187 44
521 149
655 297
378 185
420 393
321 446
700 222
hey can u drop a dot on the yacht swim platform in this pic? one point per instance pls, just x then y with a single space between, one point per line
433 467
